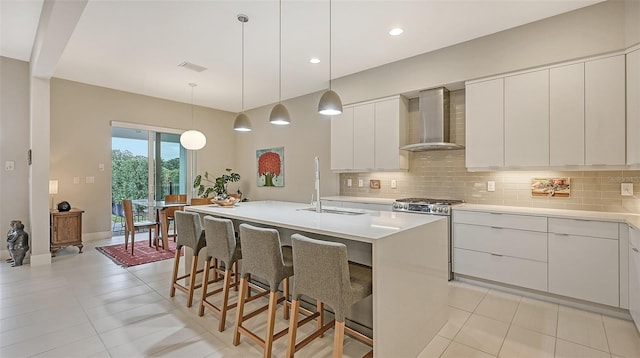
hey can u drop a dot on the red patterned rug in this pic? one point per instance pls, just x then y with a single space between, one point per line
143 254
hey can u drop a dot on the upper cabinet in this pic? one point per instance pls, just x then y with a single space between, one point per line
604 113
367 136
485 124
633 107
526 119
565 116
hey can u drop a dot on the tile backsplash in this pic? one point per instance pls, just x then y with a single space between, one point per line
442 174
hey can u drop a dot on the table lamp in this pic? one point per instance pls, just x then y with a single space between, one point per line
53 189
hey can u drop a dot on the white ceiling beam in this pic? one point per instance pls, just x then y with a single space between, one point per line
57 22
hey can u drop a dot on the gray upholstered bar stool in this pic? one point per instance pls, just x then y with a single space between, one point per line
221 247
190 234
323 272
263 257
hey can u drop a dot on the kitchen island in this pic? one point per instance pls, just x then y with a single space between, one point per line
408 254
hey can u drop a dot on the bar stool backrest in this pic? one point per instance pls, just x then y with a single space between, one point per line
262 255
322 272
221 240
189 230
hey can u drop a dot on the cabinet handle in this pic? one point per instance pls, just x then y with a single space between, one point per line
559 234
496 227
634 249
492 254
495 213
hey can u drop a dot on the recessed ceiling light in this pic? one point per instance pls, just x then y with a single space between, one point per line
314 60
396 31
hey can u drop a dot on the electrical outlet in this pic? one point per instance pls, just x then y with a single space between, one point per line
9 165
394 184
626 189
360 183
491 185
89 180
349 182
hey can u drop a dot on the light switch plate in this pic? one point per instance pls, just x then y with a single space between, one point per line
349 182
76 180
101 167
394 184
491 185
360 183
89 180
626 189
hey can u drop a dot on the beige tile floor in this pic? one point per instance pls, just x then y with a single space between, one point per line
83 305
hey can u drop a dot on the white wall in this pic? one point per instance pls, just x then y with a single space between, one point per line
14 143
307 136
81 118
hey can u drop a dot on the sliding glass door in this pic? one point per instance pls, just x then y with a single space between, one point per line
146 166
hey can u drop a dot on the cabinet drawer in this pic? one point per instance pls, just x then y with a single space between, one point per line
510 270
584 267
521 222
509 242
581 227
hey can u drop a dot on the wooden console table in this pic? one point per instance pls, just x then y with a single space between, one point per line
66 229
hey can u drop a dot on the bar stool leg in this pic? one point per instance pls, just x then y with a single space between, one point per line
293 328
174 276
205 284
286 304
225 299
338 339
271 320
320 310
240 310
192 280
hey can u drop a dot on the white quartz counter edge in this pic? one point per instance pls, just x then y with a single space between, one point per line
629 218
359 199
369 227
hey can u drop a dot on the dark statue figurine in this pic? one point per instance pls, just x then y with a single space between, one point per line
17 242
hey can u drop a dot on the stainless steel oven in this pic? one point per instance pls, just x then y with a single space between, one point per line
440 207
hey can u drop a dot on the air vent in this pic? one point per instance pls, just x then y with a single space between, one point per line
192 67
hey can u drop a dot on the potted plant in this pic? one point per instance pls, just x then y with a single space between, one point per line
218 186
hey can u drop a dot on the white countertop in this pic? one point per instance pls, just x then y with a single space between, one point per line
629 218
368 227
359 199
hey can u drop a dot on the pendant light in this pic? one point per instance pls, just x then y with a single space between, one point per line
279 114
193 139
242 122
330 103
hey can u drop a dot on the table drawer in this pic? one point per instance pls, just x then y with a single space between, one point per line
509 242
582 227
510 270
521 222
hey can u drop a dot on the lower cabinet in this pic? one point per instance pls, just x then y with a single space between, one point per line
634 275
569 257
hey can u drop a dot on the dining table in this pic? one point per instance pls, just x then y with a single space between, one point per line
159 207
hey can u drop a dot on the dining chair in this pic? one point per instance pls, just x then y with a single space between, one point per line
132 226
170 212
200 201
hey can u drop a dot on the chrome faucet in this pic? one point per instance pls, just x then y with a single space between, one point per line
317 185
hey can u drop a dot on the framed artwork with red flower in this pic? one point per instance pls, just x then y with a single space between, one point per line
270 166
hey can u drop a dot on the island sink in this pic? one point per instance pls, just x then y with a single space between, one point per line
336 211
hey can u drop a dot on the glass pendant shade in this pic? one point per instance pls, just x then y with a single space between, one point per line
193 139
280 115
242 123
330 104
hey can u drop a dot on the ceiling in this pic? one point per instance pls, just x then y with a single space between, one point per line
136 46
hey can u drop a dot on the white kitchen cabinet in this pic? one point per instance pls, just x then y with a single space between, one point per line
566 115
390 134
526 119
368 136
501 247
582 265
342 140
634 275
364 134
605 111
633 107
485 124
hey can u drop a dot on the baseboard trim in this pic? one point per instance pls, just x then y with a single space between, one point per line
40 260
95 236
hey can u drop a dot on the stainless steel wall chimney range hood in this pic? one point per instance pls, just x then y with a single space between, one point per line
434 122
